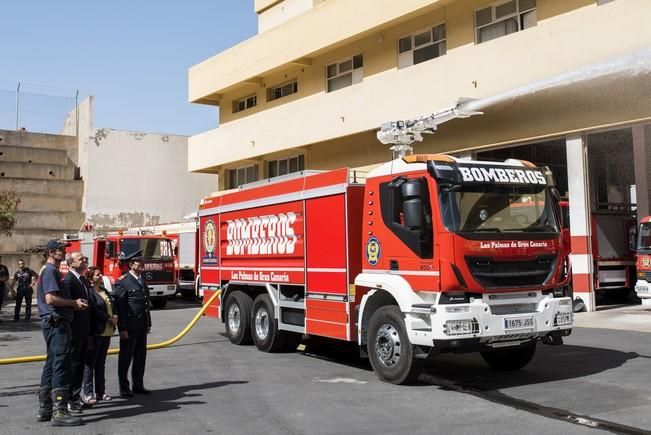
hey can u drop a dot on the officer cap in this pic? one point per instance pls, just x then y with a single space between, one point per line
135 256
53 244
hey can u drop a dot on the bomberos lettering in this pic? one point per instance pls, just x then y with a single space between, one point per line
261 235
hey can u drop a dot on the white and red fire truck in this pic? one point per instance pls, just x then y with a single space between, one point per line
432 254
107 252
643 285
613 249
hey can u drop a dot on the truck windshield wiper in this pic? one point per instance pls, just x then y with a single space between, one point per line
540 228
487 230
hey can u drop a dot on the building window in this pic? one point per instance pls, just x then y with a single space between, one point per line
421 46
242 175
285 166
504 18
245 103
282 90
345 73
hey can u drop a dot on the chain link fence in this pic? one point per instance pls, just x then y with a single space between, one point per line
37 109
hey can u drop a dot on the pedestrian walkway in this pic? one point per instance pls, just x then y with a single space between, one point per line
621 317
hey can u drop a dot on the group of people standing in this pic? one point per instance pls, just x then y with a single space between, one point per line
78 318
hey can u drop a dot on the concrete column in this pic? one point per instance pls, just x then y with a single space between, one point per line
580 220
642 164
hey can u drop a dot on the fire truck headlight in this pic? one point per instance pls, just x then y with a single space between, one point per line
461 327
563 318
565 302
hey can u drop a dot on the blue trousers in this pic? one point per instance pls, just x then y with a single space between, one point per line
58 365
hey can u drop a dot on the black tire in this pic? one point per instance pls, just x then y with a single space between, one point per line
237 317
510 359
264 326
392 356
159 302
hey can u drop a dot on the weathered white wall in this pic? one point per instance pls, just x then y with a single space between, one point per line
135 178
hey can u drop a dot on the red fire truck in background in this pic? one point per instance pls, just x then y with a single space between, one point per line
432 254
643 285
108 251
613 249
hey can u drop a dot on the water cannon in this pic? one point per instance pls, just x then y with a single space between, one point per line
403 133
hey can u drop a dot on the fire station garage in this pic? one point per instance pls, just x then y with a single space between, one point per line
611 168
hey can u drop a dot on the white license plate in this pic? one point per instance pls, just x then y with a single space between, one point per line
519 323
641 289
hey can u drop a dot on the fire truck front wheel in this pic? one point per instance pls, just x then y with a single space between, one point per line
392 356
264 326
238 314
510 359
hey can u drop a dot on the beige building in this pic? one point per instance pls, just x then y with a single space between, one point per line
311 89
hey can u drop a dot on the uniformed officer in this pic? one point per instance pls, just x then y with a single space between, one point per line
134 321
55 307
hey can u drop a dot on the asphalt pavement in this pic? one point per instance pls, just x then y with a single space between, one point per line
598 382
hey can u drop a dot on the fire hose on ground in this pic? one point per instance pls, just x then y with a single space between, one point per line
114 351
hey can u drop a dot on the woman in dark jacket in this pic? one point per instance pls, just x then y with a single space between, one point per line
103 327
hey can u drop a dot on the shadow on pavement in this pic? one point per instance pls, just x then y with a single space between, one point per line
551 363
548 365
159 401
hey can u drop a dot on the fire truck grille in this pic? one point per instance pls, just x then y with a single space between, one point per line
507 274
156 276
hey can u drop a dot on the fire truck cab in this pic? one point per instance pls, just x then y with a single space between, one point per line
432 254
107 252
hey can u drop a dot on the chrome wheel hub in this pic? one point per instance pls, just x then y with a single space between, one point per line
387 345
262 323
234 318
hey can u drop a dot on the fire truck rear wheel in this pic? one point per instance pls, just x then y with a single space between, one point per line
392 356
238 315
510 359
264 326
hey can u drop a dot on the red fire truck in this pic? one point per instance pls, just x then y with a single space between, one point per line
431 254
107 251
643 285
613 249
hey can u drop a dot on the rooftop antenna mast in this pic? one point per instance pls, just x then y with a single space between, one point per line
402 134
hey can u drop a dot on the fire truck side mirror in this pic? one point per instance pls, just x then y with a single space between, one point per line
176 251
412 205
556 194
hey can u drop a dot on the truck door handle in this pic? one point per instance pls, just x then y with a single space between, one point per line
393 265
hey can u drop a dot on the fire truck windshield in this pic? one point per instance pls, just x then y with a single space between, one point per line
152 248
644 237
498 209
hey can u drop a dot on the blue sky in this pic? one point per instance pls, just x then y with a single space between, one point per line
133 56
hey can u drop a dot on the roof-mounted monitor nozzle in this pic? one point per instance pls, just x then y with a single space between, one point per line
402 134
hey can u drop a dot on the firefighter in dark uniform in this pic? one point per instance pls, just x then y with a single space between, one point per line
134 321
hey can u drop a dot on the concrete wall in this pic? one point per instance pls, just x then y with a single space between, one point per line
135 178
282 11
38 169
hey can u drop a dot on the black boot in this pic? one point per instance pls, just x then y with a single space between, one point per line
61 416
44 404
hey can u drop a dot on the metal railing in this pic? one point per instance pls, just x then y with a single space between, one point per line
38 109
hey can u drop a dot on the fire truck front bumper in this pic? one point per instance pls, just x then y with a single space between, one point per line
494 321
162 290
643 290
